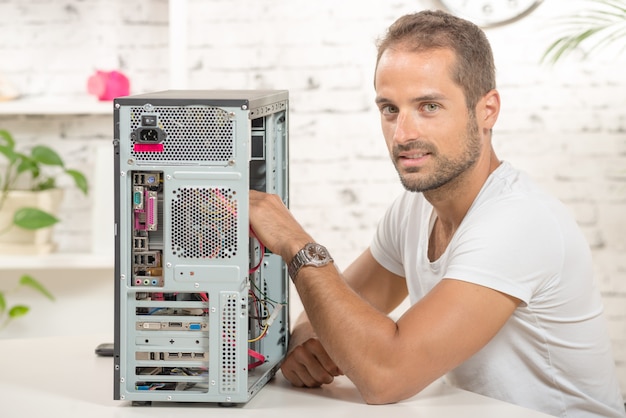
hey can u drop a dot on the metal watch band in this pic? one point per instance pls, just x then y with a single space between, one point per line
312 254
296 264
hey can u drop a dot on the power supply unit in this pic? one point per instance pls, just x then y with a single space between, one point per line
200 305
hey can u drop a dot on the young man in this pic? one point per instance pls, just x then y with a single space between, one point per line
498 274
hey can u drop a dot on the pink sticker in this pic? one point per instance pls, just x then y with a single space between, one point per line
148 148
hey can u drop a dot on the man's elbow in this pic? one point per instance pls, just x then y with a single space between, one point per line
379 399
384 391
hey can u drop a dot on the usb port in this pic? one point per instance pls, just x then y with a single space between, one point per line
140 243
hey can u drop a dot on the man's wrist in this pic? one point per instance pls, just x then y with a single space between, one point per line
294 248
311 254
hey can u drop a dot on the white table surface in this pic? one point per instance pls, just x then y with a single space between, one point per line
62 377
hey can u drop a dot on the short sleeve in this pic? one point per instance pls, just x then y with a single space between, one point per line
389 244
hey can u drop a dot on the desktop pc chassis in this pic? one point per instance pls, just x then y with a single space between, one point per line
201 309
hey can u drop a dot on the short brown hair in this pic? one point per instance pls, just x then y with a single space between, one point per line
474 71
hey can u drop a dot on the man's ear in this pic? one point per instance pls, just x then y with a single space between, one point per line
488 109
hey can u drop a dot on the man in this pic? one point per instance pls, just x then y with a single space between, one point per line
498 274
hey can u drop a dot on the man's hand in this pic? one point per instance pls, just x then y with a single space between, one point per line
309 365
275 226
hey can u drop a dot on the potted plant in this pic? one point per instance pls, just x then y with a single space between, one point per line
602 24
29 197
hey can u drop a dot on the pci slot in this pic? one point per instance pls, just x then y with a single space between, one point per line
171 326
171 356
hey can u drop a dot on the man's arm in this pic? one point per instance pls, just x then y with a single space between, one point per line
387 361
307 362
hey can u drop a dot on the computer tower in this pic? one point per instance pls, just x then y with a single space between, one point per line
200 305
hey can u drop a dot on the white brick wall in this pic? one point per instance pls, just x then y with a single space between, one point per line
565 125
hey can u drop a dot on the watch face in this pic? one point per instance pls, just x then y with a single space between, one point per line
312 254
488 13
316 252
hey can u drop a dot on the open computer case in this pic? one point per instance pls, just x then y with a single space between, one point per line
200 305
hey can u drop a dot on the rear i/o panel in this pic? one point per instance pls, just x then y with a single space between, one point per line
200 305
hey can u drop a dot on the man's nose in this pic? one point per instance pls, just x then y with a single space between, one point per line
407 128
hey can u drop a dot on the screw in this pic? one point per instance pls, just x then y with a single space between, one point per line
131 161
122 173
168 265
196 285
169 397
168 177
122 277
244 107
122 380
117 105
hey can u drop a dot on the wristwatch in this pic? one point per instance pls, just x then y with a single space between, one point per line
312 254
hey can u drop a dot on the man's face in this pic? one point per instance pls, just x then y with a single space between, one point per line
431 136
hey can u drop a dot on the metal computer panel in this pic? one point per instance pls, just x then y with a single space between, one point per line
200 305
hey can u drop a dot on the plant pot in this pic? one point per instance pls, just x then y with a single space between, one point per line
16 240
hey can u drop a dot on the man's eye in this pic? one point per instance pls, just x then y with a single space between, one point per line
431 107
388 109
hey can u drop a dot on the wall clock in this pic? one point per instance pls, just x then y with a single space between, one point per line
490 13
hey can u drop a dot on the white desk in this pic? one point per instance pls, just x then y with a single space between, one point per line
62 377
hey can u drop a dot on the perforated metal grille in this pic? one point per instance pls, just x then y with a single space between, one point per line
204 222
193 133
228 349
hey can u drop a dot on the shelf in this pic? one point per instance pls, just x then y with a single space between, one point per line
57 261
81 105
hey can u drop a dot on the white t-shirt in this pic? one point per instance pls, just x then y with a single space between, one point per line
554 353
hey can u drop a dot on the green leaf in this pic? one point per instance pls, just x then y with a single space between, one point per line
28 164
8 152
79 179
8 139
46 184
46 155
3 302
18 310
33 218
30 281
